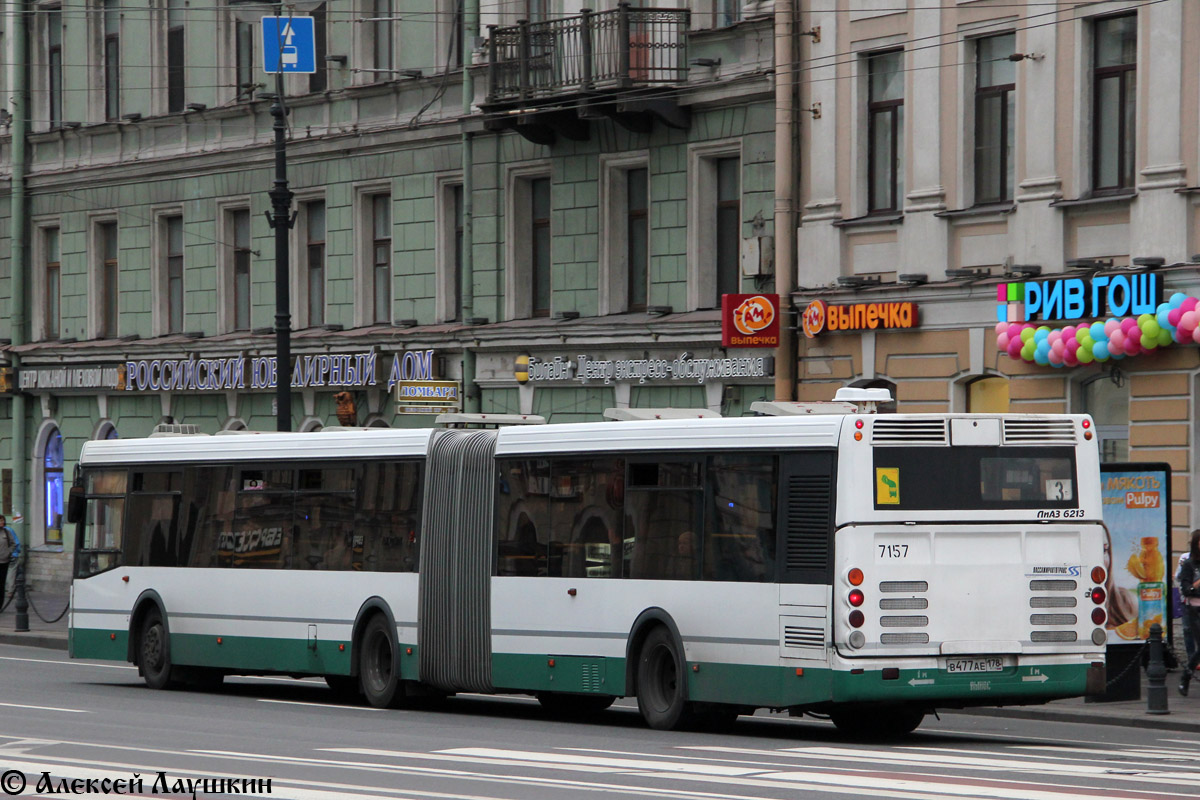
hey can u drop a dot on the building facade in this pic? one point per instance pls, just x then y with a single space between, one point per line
958 154
556 243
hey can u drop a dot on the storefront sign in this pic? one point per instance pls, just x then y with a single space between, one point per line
1137 503
428 397
103 376
642 370
819 316
749 320
1079 298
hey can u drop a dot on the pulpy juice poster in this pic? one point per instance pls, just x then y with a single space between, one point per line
1137 502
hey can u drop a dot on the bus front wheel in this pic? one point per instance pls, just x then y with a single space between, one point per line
154 657
380 675
662 683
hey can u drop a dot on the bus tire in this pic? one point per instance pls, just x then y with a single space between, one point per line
662 682
878 723
378 671
570 706
154 652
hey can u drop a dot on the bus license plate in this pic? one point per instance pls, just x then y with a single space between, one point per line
974 664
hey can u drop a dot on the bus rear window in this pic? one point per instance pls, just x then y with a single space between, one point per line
937 479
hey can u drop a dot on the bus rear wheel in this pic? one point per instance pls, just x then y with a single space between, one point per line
662 683
877 723
154 656
380 675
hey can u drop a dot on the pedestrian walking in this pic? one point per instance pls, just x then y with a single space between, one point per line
1189 588
1189 643
10 549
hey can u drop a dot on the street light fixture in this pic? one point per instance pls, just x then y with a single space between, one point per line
252 11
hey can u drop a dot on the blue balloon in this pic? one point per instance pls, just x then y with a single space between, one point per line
1162 319
1161 307
1042 358
1100 350
1177 299
1117 356
1040 334
1097 331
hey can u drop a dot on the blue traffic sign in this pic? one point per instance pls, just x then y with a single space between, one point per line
289 44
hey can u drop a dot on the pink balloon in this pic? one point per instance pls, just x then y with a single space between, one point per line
1181 336
1055 356
1054 336
1001 327
1110 326
1173 315
1071 342
1002 341
1014 347
1014 330
1187 320
1070 359
1117 339
1129 324
1058 347
1196 335
1188 304
1133 345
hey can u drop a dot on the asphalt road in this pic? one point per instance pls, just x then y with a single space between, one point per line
81 720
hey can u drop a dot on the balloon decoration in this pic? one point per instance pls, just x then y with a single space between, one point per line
1175 321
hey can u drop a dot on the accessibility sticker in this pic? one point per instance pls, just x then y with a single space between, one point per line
887 486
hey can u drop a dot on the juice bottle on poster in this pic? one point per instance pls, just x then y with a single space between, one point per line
1148 567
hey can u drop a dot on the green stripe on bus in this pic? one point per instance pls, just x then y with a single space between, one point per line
104 645
987 688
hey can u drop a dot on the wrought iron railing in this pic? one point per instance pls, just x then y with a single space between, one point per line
625 47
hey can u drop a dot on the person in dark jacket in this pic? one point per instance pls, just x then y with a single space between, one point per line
10 550
1189 587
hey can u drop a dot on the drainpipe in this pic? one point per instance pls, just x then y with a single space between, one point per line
785 182
19 262
466 291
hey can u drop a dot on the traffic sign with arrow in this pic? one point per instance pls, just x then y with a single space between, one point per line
289 44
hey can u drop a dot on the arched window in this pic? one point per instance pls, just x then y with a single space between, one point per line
378 422
106 430
52 482
1106 398
311 425
988 395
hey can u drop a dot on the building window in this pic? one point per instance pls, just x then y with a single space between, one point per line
173 229
314 255
728 12
728 226
112 59
381 256
885 125
382 13
319 80
456 196
1106 398
52 481
106 235
539 238
637 236
243 34
54 66
456 32
52 283
1114 103
176 73
994 83
988 395
240 222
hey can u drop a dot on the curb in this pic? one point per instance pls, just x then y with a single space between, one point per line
1154 722
35 639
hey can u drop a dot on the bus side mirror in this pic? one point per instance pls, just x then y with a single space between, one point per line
76 504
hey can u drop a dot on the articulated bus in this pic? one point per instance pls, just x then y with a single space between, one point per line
869 568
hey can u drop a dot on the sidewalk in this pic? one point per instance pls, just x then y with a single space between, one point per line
1184 711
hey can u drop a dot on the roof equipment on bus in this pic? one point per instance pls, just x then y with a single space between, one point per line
238 432
176 429
464 420
627 414
847 400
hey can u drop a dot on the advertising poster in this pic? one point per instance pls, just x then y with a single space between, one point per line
1137 501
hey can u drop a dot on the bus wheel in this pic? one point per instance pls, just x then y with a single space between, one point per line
154 660
377 665
879 723
574 705
662 683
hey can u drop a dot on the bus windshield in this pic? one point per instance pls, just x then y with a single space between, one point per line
927 479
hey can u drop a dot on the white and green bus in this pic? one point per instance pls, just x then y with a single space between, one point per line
867 567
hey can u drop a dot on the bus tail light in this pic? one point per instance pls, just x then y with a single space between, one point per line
856 598
1099 637
857 639
1098 616
1098 575
857 618
855 576
1098 595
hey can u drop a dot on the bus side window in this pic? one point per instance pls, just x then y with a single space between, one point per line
206 512
388 518
739 535
662 517
152 532
523 517
584 522
99 548
262 521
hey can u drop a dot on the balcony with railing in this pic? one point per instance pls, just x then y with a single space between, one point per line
613 64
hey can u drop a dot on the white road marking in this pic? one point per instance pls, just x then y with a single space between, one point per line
70 662
1082 754
46 708
561 759
316 705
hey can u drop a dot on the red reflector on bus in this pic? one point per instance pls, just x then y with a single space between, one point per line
408 651
341 648
891 673
551 662
857 618
799 672
112 636
1098 595
855 576
218 640
125 578
856 598
1098 575
858 423
1098 616
857 671
1087 423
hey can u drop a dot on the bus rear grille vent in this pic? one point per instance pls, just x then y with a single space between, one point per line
1053 619
903 603
591 679
1052 602
809 519
1039 431
914 621
904 638
910 431
795 636
1053 636
1052 586
904 586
